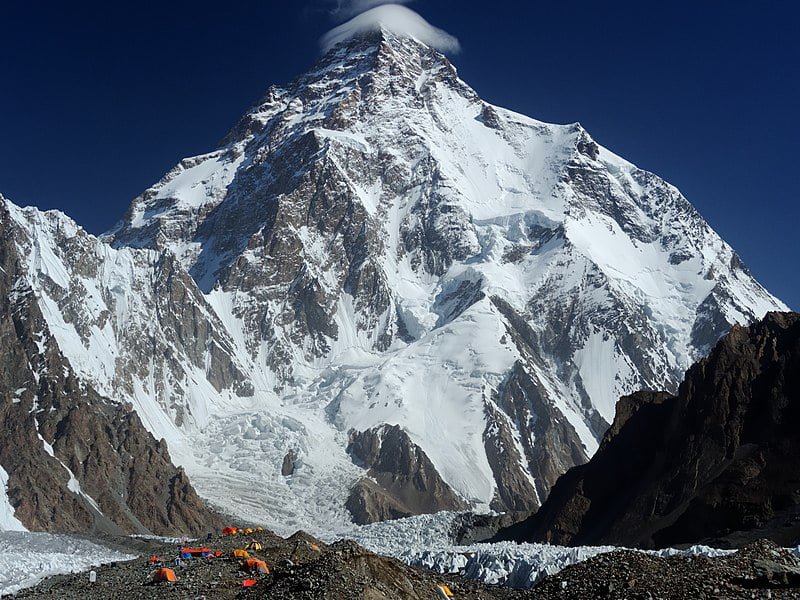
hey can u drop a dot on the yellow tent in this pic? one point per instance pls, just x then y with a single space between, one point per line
239 553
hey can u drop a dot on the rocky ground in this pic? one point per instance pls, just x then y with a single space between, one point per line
759 570
345 571
342 570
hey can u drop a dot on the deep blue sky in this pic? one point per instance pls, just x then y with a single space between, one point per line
99 99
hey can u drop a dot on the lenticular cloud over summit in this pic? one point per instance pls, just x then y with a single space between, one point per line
347 9
399 20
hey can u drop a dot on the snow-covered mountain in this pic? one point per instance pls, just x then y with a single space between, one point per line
385 294
73 459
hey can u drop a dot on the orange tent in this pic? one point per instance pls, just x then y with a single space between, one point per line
249 583
165 575
255 566
230 531
444 591
239 553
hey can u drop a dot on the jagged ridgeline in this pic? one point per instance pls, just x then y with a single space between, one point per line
383 295
715 463
72 459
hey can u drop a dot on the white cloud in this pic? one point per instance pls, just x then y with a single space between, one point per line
347 9
397 19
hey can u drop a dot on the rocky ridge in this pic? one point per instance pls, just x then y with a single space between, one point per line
759 570
76 460
715 463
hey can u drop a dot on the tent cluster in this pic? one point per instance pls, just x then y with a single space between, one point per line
252 565
246 531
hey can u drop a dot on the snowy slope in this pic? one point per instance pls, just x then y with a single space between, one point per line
374 244
27 558
134 326
8 522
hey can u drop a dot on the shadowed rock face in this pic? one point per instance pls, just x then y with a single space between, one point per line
719 461
404 481
76 461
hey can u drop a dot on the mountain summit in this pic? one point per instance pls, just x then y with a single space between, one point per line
385 294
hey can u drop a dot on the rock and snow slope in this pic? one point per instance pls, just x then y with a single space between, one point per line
70 458
374 245
27 558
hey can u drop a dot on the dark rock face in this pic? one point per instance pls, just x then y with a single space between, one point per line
289 463
405 481
76 461
716 462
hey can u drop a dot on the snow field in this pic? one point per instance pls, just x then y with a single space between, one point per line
426 541
27 558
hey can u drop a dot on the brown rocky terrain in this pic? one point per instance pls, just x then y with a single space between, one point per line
759 570
403 481
718 462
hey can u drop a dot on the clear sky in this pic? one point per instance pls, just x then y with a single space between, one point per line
99 99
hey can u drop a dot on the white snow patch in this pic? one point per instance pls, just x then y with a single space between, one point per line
8 522
27 558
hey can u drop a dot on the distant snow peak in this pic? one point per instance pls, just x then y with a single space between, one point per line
397 19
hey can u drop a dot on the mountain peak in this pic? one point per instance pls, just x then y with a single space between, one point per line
379 243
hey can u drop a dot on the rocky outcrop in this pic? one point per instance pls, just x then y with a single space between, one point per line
76 461
716 462
403 481
759 570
